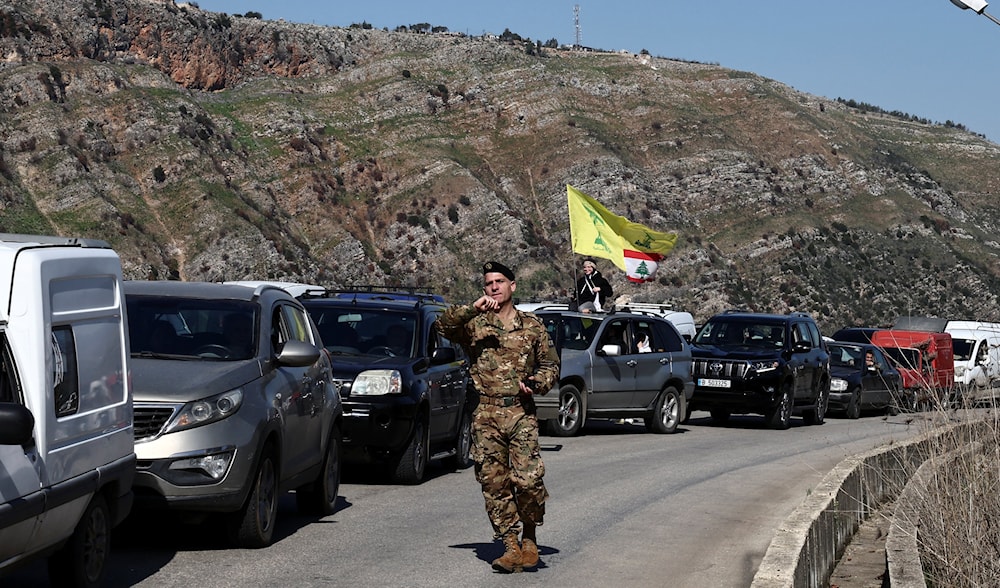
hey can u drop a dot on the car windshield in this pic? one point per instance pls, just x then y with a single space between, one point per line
963 348
173 327
846 355
742 333
353 331
570 332
903 357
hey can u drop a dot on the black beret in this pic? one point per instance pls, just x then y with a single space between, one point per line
497 267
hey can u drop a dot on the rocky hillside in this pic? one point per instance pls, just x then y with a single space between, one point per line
207 146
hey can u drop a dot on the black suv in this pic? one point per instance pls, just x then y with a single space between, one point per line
406 391
770 364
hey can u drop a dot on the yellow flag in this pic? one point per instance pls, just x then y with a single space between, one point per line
596 231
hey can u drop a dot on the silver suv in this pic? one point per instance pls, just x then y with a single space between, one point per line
234 404
619 365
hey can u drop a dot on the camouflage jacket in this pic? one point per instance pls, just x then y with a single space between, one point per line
502 358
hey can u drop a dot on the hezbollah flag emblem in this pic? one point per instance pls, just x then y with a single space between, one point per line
596 231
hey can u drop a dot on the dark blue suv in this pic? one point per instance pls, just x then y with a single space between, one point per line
407 398
775 365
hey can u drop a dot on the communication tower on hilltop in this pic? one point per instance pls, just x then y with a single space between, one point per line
576 25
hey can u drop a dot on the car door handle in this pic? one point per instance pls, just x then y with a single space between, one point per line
631 363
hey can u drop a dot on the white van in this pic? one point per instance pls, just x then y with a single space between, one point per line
66 447
977 352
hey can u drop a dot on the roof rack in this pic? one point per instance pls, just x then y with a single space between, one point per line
54 240
376 292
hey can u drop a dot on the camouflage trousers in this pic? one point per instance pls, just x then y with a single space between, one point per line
509 466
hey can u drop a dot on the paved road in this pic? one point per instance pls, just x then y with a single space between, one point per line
628 508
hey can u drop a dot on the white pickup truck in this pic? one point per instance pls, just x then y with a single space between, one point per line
67 455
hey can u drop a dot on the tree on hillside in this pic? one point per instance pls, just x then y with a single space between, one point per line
507 35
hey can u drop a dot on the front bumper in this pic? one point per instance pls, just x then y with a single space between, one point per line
161 483
838 401
756 396
377 426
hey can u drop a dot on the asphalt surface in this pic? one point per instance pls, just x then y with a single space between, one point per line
629 508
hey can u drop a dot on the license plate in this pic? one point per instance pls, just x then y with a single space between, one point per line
714 383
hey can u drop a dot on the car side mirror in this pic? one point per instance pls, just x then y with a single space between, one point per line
610 350
801 347
443 355
298 354
16 424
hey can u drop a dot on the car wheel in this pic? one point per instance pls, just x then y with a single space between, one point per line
570 417
412 462
463 443
666 414
320 496
817 414
719 415
82 561
853 409
780 417
253 525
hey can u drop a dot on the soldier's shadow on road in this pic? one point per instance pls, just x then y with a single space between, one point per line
488 552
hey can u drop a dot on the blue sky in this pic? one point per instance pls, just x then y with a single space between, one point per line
926 58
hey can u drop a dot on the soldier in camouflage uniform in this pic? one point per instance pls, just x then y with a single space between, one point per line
512 358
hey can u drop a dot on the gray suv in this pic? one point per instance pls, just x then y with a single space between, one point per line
234 404
619 365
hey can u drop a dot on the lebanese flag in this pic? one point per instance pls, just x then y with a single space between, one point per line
640 267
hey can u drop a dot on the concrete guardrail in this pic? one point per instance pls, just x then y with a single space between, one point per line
805 550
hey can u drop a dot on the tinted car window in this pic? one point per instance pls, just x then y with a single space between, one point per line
901 357
668 338
814 335
800 334
846 355
8 373
295 323
211 329
571 332
67 389
367 331
757 332
616 334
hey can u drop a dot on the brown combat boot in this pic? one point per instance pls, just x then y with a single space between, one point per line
510 561
529 548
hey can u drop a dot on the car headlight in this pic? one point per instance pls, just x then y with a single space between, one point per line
764 366
377 383
206 410
838 385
